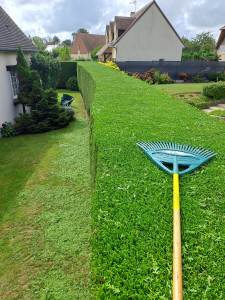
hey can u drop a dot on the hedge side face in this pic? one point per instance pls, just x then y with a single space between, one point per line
132 199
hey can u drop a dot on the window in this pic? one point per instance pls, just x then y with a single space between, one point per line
14 80
15 83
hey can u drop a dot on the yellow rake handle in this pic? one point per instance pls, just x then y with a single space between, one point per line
177 260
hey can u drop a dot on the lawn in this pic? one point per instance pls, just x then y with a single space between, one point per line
45 213
180 88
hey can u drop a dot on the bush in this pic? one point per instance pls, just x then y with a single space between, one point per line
153 76
72 84
214 91
70 113
68 69
195 78
8 130
217 76
93 53
132 198
48 69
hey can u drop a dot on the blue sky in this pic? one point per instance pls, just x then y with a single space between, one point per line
62 17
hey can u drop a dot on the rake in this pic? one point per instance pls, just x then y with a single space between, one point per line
176 159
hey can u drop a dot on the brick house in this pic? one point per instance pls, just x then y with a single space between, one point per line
143 36
85 43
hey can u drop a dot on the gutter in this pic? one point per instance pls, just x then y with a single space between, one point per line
15 50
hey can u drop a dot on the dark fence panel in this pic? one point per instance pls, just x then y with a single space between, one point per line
173 68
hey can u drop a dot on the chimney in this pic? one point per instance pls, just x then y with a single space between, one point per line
132 13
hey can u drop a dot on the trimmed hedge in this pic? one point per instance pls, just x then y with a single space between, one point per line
68 69
132 198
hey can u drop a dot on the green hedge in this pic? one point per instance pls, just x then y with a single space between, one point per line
132 199
68 69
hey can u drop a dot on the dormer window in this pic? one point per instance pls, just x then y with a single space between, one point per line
120 32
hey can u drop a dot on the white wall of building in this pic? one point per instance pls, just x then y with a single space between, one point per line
8 110
150 38
221 51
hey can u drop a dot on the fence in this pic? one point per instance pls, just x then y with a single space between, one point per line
173 68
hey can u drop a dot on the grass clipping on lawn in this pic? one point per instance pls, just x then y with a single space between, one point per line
45 213
132 202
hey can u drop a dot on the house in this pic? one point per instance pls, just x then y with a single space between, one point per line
50 48
143 36
10 37
85 43
220 45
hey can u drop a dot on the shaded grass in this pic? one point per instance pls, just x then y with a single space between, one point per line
132 203
45 213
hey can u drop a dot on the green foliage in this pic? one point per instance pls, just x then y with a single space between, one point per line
8 130
67 42
217 76
24 123
218 112
196 78
36 92
93 53
23 74
48 68
68 69
199 102
154 76
39 43
214 91
70 113
202 47
132 198
46 115
80 30
81 58
72 84
85 80
64 53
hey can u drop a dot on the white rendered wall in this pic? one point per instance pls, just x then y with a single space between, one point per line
150 38
8 111
221 51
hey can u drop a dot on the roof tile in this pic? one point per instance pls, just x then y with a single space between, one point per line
11 35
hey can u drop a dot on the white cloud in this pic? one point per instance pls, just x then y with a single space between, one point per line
62 17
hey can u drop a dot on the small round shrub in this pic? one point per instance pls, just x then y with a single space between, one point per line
72 84
8 130
69 112
215 91
217 76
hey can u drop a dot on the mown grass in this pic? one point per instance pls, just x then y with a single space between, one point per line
45 213
180 88
132 203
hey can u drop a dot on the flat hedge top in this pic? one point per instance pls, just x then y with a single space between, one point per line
132 204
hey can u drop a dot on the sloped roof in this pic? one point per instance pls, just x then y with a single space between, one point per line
221 37
122 23
11 35
92 41
140 13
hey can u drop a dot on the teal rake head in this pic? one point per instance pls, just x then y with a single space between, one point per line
176 158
